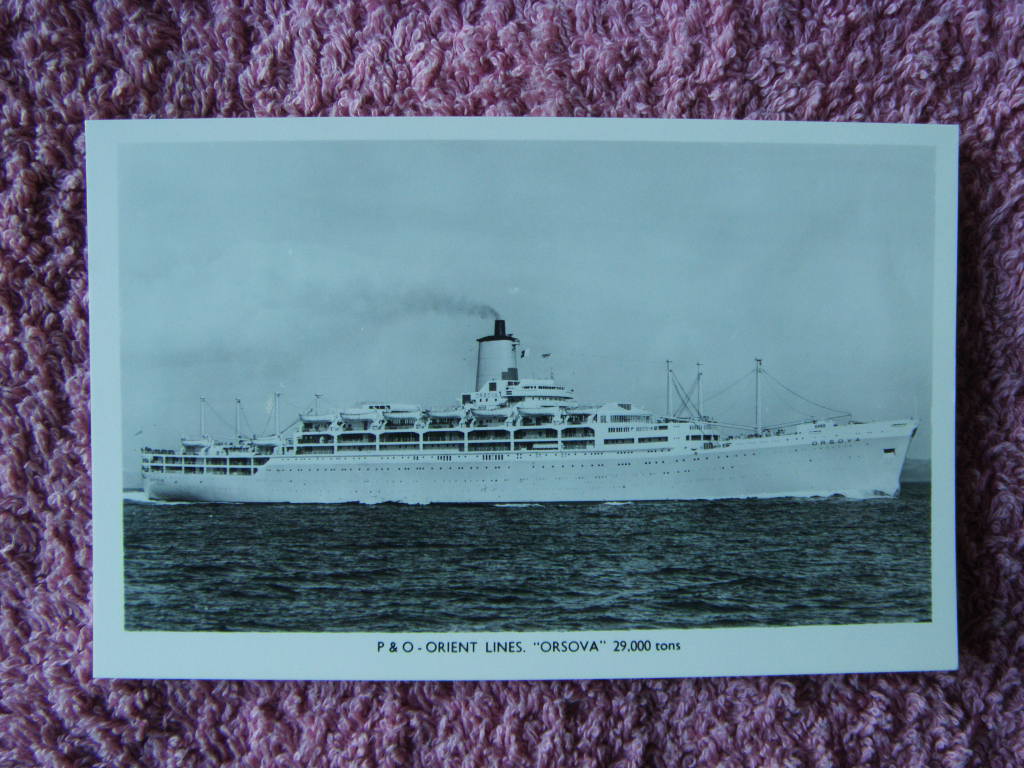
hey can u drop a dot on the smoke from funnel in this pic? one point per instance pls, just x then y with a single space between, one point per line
420 301
430 301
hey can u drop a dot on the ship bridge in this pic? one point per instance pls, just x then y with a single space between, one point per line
525 393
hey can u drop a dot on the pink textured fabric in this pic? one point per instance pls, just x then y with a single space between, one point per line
885 61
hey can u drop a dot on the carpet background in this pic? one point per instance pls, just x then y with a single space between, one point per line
60 63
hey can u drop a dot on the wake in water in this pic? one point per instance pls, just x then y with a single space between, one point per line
140 497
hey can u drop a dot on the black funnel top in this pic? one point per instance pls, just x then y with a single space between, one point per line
499 333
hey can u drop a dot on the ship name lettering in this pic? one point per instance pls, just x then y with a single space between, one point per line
567 646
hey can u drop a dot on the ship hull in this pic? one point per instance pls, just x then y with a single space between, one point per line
855 460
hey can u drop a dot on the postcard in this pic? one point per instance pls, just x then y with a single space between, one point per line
446 398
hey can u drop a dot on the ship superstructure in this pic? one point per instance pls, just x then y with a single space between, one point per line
515 439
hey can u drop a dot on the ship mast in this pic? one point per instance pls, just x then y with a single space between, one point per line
202 417
700 392
757 396
277 414
668 391
238 417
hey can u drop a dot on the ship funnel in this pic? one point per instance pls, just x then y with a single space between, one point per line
497 356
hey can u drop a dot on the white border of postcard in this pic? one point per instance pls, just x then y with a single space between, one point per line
543 655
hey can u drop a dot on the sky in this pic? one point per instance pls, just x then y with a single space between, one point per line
366 271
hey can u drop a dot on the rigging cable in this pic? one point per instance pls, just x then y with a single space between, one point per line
219 418
787 404
266 425
686 400
729 407
805 399
721 392
245 419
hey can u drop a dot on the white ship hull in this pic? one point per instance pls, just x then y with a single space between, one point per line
855 460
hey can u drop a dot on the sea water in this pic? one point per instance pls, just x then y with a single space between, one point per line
438 568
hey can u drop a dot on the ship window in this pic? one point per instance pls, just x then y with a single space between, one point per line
493 386
889 450
465 398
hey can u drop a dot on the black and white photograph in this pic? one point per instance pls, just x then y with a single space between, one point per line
599 396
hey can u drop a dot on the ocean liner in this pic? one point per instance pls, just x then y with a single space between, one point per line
516 439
